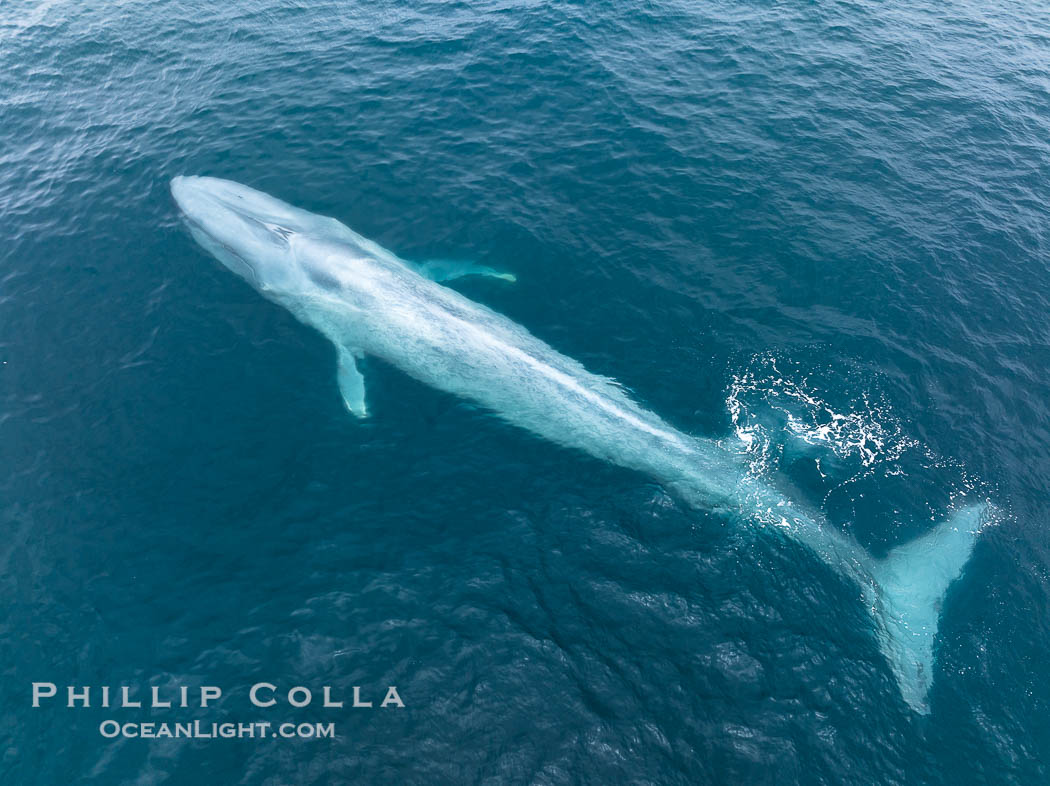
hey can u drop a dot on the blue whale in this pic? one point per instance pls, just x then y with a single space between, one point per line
367 301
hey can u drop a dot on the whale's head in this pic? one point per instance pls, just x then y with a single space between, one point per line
248 231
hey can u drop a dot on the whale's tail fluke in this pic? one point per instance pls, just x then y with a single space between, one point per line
911 583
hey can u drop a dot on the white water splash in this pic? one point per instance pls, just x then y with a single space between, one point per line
775 413
769 410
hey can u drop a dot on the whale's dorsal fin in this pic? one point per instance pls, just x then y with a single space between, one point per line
446 269
351 382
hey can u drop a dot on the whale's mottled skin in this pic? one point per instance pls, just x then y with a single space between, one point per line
367 301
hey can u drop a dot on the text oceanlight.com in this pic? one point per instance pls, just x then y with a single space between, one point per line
198 730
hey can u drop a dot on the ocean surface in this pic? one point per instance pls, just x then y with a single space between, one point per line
816 232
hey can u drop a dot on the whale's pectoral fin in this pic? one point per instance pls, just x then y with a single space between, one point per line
446 269
351 382
912 581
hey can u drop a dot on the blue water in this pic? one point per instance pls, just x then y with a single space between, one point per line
751 215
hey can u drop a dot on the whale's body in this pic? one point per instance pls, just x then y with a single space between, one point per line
367 301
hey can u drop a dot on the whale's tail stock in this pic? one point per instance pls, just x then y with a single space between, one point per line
910 584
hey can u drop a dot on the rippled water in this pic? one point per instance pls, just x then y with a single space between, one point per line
753 215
